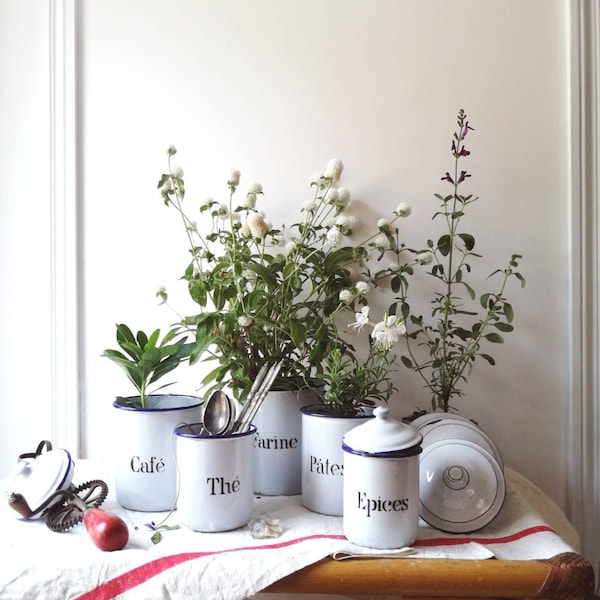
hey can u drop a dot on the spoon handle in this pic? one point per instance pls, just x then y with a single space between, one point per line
258 399
257 382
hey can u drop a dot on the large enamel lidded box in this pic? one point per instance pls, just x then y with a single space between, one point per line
381 482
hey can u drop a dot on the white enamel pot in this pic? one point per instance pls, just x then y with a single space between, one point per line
381 483
277 453
143 446
435 427
215 478
323 459
462 486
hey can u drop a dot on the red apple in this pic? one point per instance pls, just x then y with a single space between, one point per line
108 531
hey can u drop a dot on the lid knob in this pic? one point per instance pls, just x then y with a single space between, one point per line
382 412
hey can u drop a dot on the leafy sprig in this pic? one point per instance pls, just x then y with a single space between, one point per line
453 338
147 358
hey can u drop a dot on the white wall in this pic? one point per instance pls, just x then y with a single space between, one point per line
276 89
25 230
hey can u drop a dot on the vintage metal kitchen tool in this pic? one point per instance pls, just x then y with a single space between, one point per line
43 489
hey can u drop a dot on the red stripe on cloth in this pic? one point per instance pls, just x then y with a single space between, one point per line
500 540
143 573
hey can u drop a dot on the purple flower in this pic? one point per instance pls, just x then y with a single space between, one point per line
463 176
447 177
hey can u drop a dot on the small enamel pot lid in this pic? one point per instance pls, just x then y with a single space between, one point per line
40 478
383 436
462 486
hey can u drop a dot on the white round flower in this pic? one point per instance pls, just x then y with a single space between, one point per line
362 288
178 173
424 258
343 197
206 203
221 211
403 209
258 225
171 150
255 188
310 206
345 223
245 321
316 180
290 246
334 237
380 242
192 226
250 200
334 169
330 196
234 178
346 296
383 224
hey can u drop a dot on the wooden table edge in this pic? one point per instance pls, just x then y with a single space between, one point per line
565 576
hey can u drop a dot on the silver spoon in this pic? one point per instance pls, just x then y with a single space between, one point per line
218 413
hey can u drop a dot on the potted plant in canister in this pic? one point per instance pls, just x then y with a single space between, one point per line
145 468
352 386
268 294
443 347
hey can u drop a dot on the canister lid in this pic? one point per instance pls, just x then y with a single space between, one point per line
39 479
383 436
462 486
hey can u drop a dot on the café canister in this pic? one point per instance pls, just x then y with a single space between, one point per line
381 482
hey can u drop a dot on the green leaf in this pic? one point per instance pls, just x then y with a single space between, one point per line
488 358
444 245
484 300
470 290
494 338
468 240
298 333
407 362
156 537
508 312
269 278
506 327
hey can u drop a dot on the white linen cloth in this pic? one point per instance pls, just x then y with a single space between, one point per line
38 563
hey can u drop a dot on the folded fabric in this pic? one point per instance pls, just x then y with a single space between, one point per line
39 563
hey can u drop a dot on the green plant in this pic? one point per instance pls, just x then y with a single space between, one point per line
147 358
453 339
353 383
268 293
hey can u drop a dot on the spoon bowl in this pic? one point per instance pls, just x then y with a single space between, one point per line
218 413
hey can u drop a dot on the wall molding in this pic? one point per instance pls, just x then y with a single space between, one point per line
584 443
65 392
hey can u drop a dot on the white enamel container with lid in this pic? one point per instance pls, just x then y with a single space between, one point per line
462 486
381 482
461 474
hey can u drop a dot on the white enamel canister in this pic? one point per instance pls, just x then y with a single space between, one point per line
461 474
215 478
381 482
